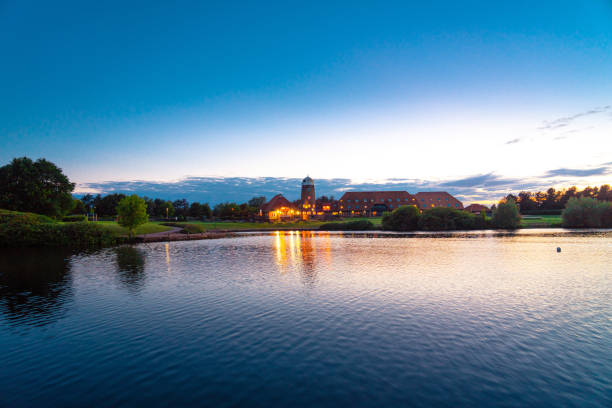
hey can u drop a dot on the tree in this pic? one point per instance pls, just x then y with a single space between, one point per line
132 212
195 210
257 201
35 186
507 215
445 219
586 212
405 218
181 207
107 206
526 201
227 211
87 199
78 207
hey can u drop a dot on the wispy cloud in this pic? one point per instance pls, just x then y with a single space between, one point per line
598 171
567 120
562 123
479 187
481 180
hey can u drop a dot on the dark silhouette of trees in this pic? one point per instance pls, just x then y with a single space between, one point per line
257 201
555 200
35 186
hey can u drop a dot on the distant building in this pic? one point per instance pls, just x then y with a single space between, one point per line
352 203
477 209
308 200
428 200
373 202
279 209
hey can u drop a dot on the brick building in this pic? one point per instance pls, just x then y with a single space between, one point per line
373 202
433 199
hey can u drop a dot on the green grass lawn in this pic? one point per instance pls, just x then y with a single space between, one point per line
201 226
534 221
147 228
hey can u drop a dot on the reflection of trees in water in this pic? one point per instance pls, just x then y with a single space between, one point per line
34 284
130 267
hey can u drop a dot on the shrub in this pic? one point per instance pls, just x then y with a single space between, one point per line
75 218
361 225
401 219
587 213
26 230
6 216
445 219
507 215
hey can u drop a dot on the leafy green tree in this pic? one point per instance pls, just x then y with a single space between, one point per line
405 218
586 212
78 207
507 215
447 219
35 186
132 212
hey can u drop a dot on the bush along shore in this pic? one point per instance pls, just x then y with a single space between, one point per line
27 229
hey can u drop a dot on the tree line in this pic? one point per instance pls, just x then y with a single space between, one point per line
556 200
105 206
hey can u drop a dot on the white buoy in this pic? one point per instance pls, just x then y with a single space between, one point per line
558 249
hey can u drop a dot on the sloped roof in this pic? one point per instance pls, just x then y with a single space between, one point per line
377 197
429 199
477 208
367 199
277 202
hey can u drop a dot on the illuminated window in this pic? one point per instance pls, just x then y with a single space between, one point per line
390 205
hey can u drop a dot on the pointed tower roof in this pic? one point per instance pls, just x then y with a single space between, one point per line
308 181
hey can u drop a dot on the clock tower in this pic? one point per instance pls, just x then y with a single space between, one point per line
308 197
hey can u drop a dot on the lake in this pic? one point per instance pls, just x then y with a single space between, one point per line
312 319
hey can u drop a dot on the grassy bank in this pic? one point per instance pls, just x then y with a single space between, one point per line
541 221
18 229
203 226
148 228
28 229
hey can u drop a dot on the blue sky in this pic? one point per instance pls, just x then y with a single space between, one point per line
369 93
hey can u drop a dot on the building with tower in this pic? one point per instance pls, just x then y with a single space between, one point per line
352 203
308 199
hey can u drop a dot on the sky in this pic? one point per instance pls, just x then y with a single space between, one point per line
200 99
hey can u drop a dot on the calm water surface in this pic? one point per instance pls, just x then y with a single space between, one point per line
312 319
